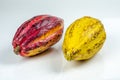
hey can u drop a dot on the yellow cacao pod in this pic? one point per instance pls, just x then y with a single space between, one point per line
83 38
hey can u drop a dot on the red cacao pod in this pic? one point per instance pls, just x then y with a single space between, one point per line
37 35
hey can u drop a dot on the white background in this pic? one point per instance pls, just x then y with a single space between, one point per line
51 65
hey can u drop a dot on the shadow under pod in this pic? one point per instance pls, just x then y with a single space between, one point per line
50 60
8 57
69 65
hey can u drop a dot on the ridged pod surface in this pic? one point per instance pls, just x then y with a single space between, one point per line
37 35
83 38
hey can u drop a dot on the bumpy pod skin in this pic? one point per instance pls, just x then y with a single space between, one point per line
83 39
37 35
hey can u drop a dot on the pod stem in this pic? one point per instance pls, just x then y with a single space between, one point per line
68 56
17 50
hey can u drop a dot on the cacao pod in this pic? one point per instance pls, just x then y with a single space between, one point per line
37 35
83 39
